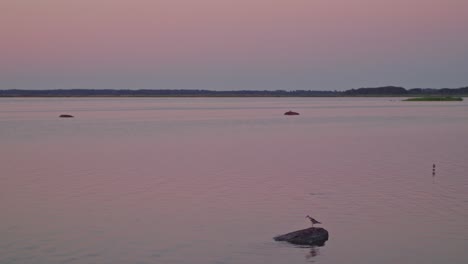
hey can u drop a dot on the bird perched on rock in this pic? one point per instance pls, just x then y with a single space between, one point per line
312 220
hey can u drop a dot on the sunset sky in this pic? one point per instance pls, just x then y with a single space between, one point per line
233 44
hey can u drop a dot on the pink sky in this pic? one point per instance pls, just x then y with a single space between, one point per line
232 44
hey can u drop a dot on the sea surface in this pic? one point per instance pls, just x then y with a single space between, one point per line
213 180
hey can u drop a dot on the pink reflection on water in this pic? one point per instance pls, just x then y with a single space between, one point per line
205 180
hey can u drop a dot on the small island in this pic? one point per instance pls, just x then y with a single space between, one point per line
312 236
291 113
434 98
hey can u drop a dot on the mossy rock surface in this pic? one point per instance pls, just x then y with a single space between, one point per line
310 236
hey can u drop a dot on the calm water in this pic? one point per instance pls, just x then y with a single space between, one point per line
213 180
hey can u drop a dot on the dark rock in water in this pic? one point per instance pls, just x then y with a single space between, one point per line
66 116
291 113
310 236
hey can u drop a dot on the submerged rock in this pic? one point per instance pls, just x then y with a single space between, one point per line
291 113
66 116
309 236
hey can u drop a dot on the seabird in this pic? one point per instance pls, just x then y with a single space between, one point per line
312 220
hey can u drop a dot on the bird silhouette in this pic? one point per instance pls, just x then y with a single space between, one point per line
312 220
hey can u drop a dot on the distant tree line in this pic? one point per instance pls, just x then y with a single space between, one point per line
373 91
400 91
161 93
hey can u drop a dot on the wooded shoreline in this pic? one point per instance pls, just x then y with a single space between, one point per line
386 91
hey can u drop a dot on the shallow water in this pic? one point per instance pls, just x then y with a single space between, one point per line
212 180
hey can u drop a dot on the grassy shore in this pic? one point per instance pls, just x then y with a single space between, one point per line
434 98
